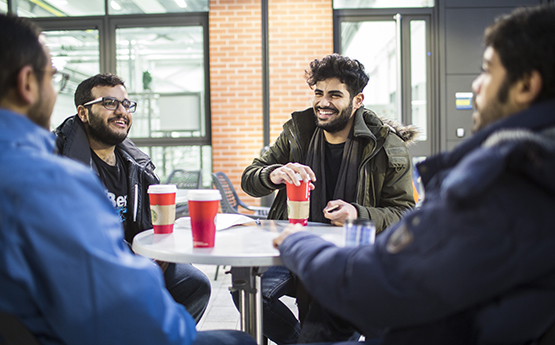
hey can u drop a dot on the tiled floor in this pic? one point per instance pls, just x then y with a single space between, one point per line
221 312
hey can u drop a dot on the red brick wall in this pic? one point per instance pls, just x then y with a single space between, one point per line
299 31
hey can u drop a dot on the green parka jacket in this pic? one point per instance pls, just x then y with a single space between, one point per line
385 187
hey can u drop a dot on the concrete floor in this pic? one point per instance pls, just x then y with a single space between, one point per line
221 312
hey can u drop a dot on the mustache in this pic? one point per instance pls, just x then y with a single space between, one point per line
118 117
326 108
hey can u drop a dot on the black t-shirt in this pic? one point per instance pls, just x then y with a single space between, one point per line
115 181
334 156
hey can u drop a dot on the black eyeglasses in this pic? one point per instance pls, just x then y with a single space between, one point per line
111 103
59 80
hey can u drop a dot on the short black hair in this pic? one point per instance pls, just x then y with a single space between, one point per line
525 42
349 71
19 47
83 93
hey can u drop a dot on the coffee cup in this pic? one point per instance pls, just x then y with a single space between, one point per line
203 207
162 207
298 201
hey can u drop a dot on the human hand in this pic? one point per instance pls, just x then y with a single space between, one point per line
287 173
338 211
289 230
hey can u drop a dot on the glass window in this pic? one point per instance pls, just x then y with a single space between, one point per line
3 6
156 6
339 4
75 52
163 68
418 59
59 8
378 54
168 158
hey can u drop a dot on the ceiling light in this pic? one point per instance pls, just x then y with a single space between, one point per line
181 3
115 5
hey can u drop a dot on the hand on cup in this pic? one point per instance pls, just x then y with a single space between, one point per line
203 207
289 172
162 207
298 201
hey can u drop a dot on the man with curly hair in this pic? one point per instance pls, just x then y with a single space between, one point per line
357 164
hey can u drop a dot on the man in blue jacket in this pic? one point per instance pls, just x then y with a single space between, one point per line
475 263
65 272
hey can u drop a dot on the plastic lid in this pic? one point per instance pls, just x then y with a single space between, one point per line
162 188
203 194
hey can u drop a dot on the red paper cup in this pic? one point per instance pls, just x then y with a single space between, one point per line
162 207
298 202
203 207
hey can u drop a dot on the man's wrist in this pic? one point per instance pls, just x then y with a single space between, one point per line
265 177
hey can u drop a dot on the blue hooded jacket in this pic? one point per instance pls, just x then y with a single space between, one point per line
475 264
65 271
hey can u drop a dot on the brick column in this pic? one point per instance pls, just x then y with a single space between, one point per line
300 31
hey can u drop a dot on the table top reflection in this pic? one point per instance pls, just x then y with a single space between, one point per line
244 245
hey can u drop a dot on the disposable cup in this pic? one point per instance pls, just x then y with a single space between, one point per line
162 207
359 232
203 207
298 202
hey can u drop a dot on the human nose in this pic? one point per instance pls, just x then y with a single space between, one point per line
477 84
121 109
324 102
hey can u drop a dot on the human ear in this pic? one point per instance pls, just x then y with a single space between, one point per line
27 87
358 101
528 88
82 112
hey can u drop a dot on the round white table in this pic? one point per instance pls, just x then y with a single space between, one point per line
246 248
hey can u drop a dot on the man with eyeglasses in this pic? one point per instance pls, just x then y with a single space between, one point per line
65 273
97 137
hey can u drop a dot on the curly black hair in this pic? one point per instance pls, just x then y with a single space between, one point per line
348 71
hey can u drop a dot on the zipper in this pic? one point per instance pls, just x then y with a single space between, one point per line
136 202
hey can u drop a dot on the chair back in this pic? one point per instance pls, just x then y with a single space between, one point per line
230 200
13 332
186 179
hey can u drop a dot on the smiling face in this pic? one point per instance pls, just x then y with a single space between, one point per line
492 92
333 105
108 127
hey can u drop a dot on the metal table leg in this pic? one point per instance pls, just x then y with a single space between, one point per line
247 281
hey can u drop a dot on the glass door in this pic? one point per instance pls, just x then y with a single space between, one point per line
396 52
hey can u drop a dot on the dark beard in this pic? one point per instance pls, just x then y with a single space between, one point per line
339 123
101 133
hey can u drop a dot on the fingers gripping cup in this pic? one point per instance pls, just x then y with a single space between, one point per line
203 207
298 202
162 207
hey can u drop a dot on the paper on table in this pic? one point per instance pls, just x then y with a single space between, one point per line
223 221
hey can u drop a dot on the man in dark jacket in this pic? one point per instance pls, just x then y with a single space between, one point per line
474 264
97 137
357 166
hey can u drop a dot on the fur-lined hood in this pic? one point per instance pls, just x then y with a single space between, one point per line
406 132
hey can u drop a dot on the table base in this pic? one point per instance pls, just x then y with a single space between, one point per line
247 282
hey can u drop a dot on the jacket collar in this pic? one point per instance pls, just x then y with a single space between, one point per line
366 123
537 117
74 144
18 130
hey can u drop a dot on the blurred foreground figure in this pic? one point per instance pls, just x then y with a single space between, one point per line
65 271
475 263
